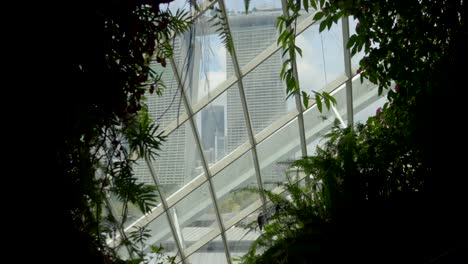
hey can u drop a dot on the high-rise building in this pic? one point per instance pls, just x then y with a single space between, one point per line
178 158
264 90
212 132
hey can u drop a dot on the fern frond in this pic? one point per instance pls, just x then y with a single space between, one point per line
222 28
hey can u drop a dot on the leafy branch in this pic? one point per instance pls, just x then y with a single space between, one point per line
107 126
286 26
221 25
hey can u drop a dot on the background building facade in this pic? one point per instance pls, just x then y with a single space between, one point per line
264 90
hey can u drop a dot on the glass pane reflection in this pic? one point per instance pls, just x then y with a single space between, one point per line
221 126
213 252
322 62
231 185
241 238
203 62
195 216
253 32
161 235
276 152
266 93
179 160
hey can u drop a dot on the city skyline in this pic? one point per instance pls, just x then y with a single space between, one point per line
265 91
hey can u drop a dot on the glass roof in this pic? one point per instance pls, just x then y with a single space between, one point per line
231 129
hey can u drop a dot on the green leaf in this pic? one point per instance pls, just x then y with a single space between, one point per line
290 83
305 99
314 4
280 23
318 15
285 51
306 5
299 50
327 102
156 249
338 16
283 71
297 6
323 24
318 102
330 98
380 90
281 37
329 23
351 41
246 5
322 2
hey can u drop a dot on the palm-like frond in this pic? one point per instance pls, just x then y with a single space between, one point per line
143 138
220 22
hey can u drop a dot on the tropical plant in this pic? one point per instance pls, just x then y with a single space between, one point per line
102 126
286 25
419 46
355 182
374 186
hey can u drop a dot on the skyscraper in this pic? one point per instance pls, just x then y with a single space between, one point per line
265 92
178 158
212 132
263 88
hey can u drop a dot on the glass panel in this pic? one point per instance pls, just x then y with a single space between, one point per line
240 238
266 93
177 4
211 129
169 106
366 99
203 61
304 14
213 252
358 56
161 235
322 63
195 215
317 124
362 115
238 7
276 152
312 145
221 126
254 32
235 122
340 96
133 212
141 172
230 183
178 161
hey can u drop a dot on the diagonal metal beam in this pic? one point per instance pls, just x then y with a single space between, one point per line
196 135
248 123
175 230
297 97
349 75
